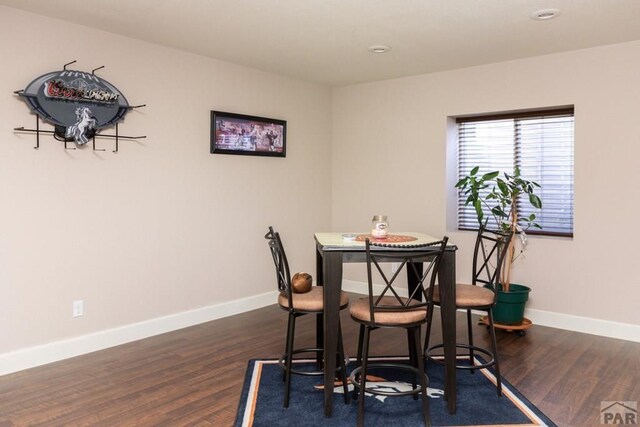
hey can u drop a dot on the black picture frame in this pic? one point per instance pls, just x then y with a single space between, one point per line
241 134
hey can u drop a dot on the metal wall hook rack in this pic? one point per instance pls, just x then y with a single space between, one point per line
116 136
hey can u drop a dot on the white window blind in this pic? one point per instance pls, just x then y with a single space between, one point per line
540 143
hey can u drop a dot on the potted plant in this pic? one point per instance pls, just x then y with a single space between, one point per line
499 194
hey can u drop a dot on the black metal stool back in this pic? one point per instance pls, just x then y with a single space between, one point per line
389 301
390 310
283 274
298 305
488 257
489 254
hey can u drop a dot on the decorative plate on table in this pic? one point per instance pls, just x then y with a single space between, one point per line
391 238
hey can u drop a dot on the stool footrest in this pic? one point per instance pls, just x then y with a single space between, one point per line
283 364
416 390
477 349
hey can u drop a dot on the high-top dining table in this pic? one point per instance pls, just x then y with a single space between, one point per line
332 250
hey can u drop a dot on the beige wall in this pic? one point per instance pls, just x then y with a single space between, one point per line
390 152
163 226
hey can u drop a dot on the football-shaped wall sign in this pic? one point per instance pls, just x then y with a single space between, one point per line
77 103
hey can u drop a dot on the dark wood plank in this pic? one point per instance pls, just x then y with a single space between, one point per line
194 376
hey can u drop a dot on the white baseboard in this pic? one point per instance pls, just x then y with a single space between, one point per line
59 350
587 325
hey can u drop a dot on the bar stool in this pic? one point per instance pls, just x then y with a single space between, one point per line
300 304
389 310
488 256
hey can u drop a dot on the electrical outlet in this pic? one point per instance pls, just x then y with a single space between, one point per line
78 308
394 267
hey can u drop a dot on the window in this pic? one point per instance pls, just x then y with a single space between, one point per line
540 143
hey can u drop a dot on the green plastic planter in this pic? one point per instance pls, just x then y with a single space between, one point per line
509 309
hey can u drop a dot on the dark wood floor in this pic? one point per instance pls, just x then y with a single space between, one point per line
194 376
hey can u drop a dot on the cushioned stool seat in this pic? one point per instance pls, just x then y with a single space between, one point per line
468 296
360 310
309 301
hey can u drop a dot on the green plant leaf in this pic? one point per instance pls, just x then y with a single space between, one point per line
497 211
474 170
503 187
489 176
462 183
535 201
532 217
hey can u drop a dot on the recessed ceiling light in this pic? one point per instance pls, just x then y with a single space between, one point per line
545 14
378 48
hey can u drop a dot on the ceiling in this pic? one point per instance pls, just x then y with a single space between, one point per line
326 41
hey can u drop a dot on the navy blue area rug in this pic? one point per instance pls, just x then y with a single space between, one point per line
478 403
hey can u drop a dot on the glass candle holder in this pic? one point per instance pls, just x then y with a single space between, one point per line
379 226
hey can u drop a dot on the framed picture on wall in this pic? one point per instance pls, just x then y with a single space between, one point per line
233 133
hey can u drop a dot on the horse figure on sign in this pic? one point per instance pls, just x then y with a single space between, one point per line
85 123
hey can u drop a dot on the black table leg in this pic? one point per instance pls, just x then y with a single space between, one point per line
332 275
447 280
413 280
319 317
